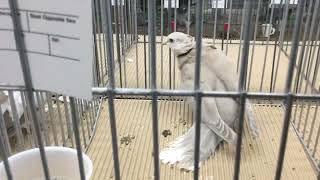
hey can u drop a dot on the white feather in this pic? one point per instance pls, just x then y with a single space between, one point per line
219 116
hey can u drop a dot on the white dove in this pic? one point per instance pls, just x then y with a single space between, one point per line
20 107
3 97
219 116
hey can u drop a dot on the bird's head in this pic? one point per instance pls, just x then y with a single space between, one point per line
179 42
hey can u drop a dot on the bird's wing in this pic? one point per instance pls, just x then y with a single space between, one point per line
213 119
222 66
251 120
224 69
210 111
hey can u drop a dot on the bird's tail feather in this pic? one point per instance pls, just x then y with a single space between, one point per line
251 120
181 151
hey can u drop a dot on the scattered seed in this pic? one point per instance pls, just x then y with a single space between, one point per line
166 133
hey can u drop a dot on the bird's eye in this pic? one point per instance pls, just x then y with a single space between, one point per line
171 40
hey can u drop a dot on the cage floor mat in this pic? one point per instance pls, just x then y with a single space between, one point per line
134 128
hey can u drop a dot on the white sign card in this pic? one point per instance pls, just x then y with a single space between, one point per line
220 4
174 3
113 2
284 1
59 44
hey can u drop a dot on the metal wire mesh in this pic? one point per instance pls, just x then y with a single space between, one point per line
132 63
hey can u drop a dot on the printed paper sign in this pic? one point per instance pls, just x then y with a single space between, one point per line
284 1
59 45
113 2
220 4
174 3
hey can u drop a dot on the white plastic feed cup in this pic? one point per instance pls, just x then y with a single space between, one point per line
267 30
62 164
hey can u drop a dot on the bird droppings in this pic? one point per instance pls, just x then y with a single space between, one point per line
126 140
166 132
250 145
185 170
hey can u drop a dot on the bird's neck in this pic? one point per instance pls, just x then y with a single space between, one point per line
187 58
185 53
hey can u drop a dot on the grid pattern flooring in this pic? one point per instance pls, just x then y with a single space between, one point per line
135 140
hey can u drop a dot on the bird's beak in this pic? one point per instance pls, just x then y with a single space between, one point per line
165 42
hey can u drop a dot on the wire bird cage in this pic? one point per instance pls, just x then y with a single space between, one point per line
139 108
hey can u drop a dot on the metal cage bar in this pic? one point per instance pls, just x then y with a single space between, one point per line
198 98
241 85
152 59
281 39
254 44
3 150
289 100
266 50
229 21
75 124
110 59
21 46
